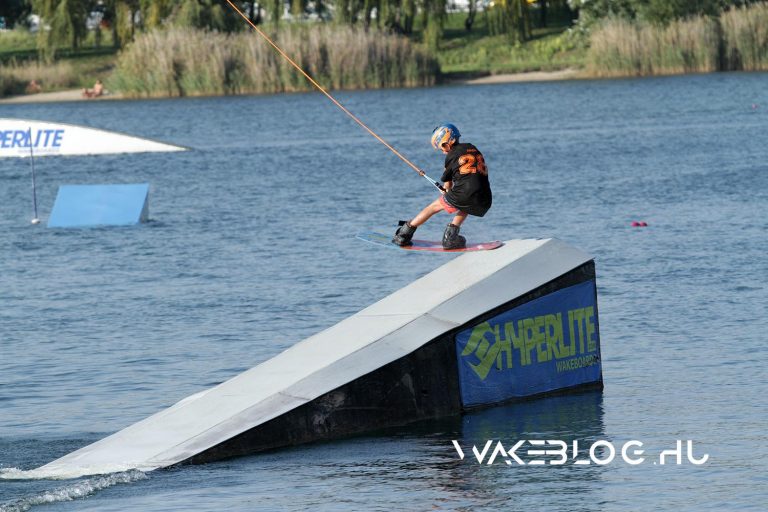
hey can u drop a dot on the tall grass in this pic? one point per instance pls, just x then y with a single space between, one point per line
189 62
737 40
15 76
620 48
745 38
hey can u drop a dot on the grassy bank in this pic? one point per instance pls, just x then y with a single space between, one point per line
477 52
188 62
71 73
73 69
737 40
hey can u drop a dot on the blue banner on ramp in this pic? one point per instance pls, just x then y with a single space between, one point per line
543 345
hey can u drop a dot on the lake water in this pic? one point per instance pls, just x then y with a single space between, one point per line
251 248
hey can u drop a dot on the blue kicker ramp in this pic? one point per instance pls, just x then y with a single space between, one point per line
100 205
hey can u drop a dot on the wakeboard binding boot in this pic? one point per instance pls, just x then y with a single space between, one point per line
403 234
452 239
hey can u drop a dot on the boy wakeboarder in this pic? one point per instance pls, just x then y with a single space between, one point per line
467 190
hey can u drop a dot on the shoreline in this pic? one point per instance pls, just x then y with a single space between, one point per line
528 76
57 96
533 76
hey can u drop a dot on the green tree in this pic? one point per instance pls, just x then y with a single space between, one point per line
591 10
552 9
127 14
345 11
298 7
155 12
398 15
433 16
471 13
409 15
512 18
664 11
200 14
368 7
657 11
62 22
254 12
274 10
14 11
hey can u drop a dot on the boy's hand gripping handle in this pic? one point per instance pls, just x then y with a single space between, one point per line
435 183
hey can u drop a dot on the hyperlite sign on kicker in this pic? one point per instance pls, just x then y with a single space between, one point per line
549 343
24 138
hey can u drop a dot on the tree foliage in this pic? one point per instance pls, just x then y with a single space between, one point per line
511 17
64 21
14 11
656 11
664 11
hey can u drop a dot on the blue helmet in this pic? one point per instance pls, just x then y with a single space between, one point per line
444 133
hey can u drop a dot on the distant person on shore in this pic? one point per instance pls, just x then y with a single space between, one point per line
467 190
33 87
98 90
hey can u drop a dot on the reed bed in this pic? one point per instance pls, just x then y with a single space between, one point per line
190 62
16 76
623 48
745 38
737 40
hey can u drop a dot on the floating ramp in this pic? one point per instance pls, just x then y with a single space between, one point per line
25 138
100 205
484 328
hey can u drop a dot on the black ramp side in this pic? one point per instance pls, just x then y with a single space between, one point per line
419 386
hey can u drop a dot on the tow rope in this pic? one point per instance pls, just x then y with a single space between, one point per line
328 95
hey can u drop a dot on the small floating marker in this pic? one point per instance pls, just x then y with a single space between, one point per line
639 224
100 205
35 221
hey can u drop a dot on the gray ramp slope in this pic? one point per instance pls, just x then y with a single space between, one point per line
448 297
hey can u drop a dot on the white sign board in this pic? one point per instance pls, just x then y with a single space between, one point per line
49 139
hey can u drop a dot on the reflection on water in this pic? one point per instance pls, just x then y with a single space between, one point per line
566 418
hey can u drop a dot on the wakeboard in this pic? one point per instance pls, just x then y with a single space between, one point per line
426 245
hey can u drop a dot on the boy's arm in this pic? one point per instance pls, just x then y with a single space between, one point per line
447 185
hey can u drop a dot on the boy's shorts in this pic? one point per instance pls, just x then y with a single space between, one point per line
448 207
